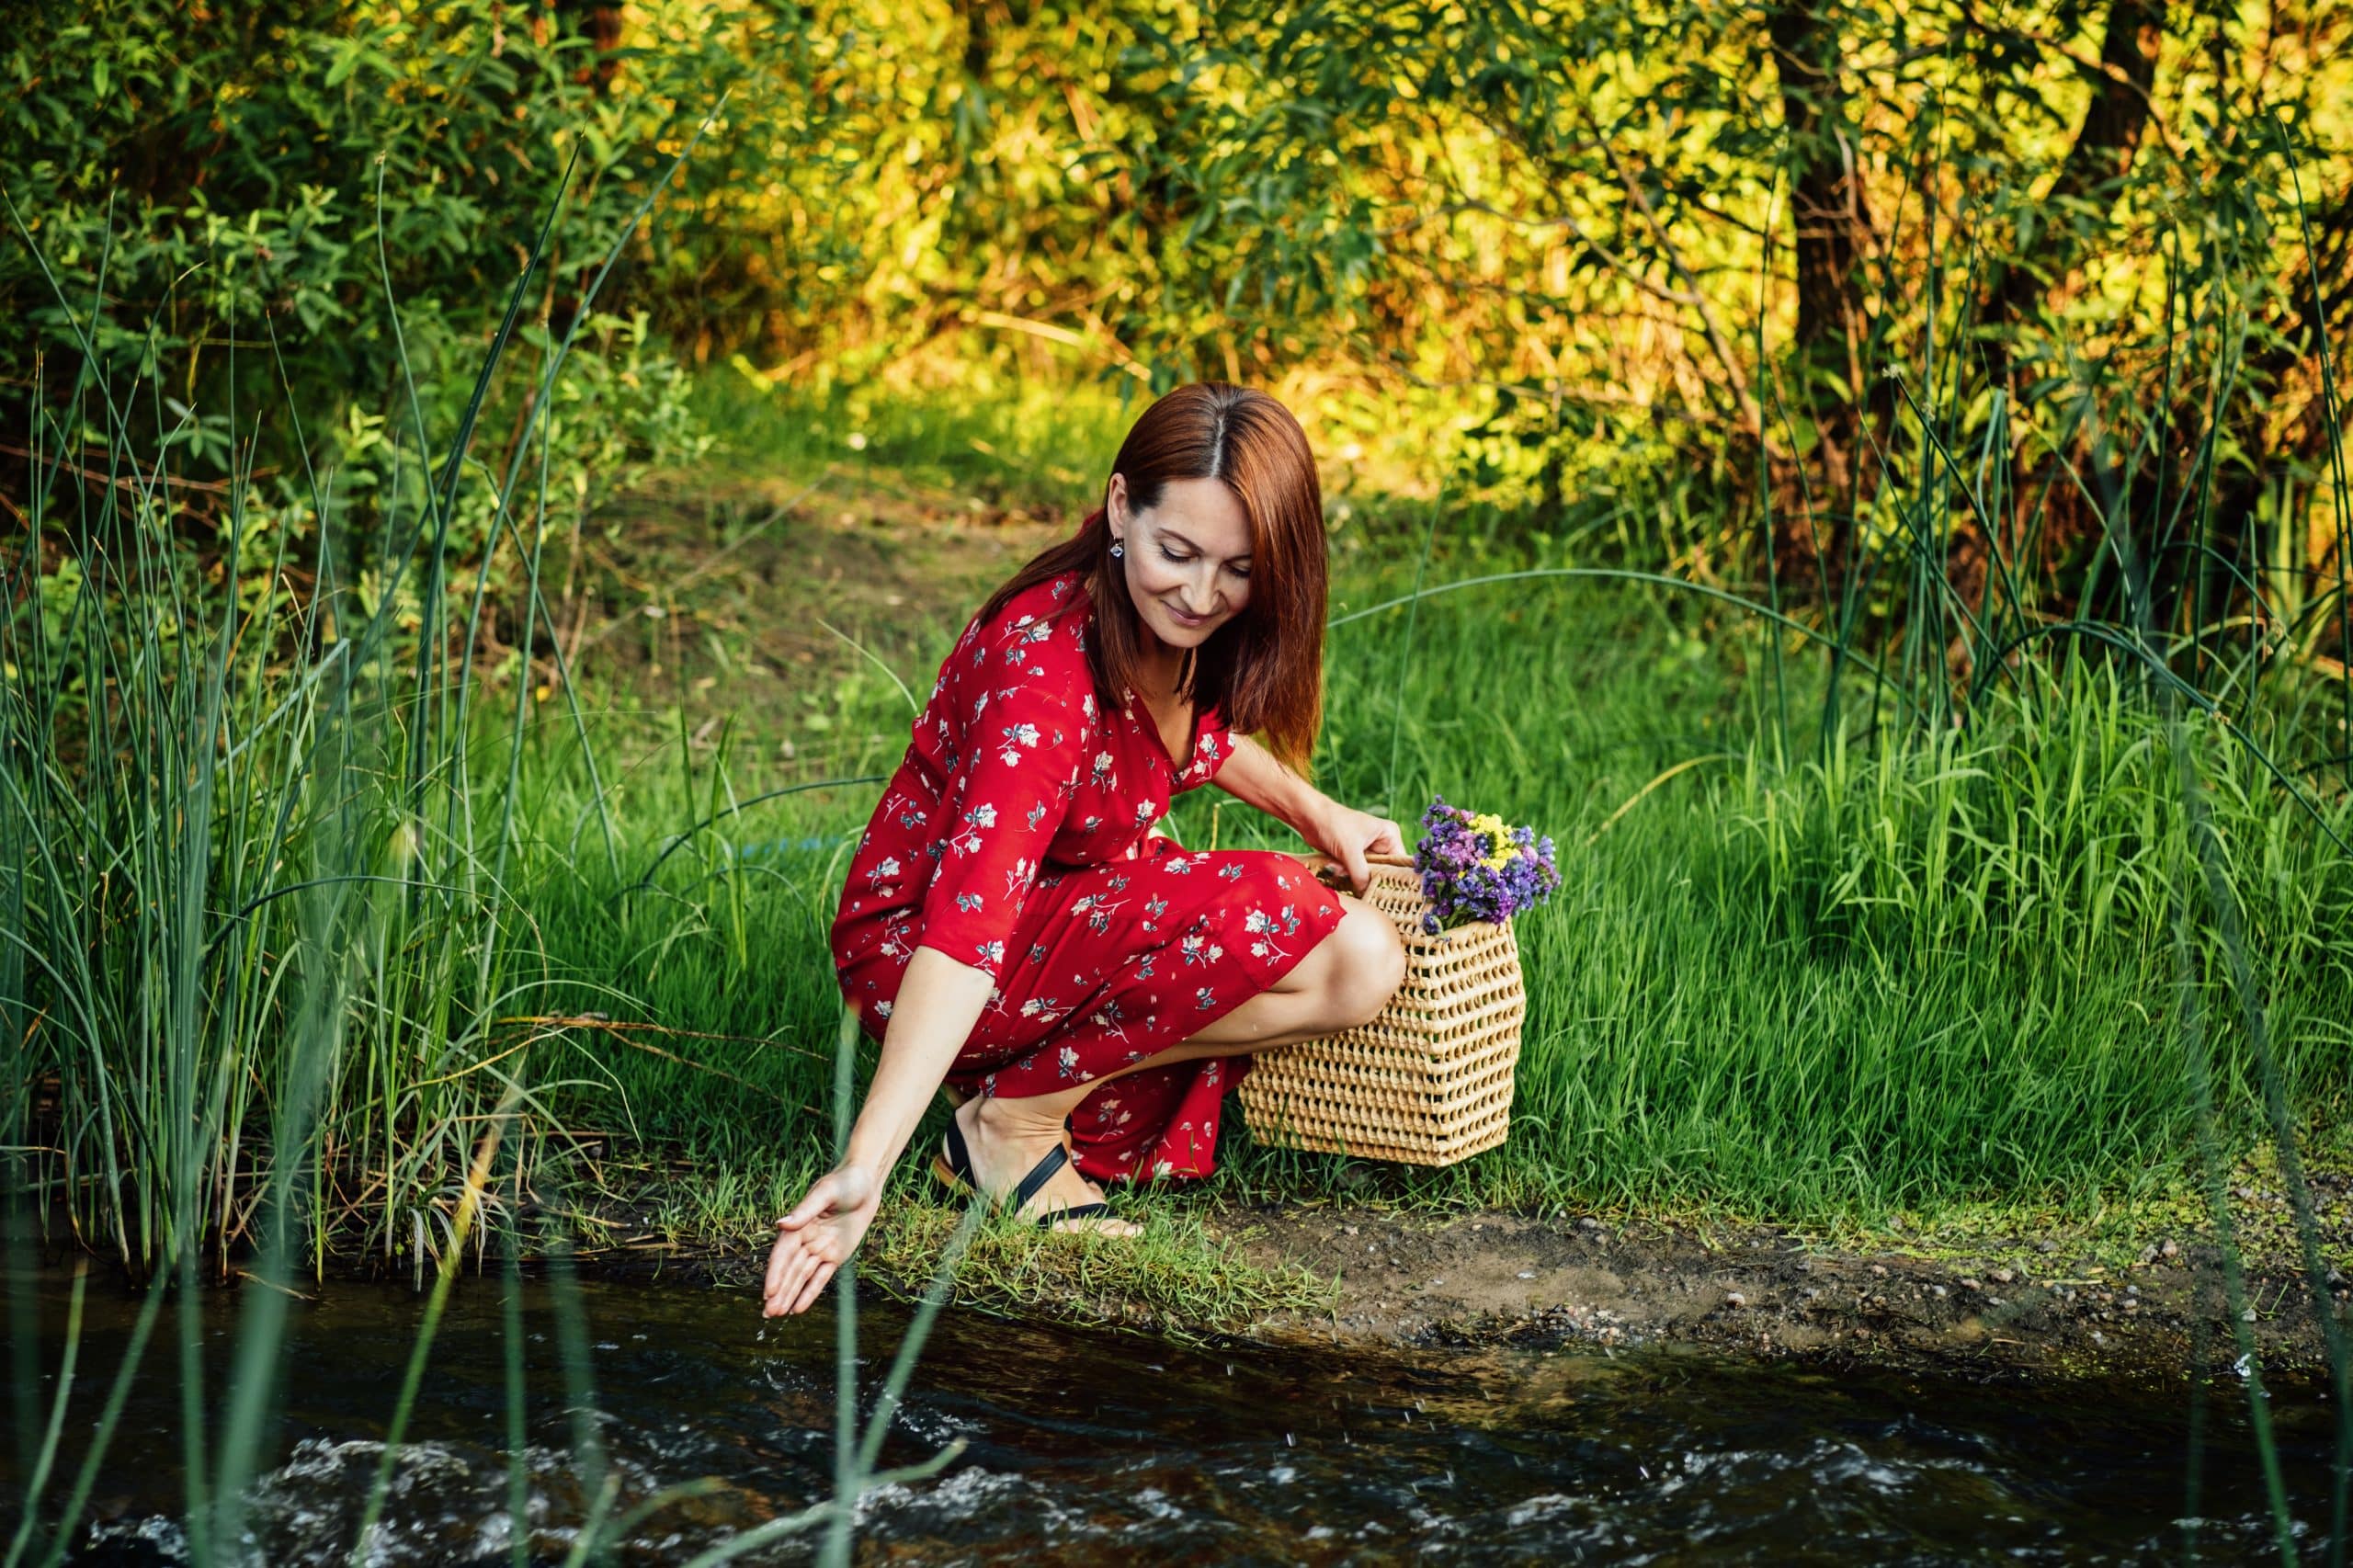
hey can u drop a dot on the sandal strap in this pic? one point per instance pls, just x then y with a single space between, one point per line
959 1157
1083 1211
1039 1174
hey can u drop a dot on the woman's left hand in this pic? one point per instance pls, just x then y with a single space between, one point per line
1349 835
817 1237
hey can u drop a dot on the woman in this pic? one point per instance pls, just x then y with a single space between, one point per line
1015 925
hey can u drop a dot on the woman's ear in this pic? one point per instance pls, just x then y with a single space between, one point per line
1115 500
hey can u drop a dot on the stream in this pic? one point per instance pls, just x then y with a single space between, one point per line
1096 1449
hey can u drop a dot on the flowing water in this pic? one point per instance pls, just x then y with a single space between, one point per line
1090 1449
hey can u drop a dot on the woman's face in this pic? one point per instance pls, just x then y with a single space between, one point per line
1187 559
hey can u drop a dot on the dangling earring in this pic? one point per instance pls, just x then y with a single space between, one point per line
1118 549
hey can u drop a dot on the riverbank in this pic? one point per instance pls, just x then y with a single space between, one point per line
2138 1291
2040 1308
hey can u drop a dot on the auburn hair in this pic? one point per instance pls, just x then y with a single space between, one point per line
1264 669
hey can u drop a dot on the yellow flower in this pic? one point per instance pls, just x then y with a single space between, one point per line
1501 850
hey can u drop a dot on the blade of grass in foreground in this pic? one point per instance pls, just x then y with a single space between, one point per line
2198 1074
39 1479
518 1457
468 1207
847 1483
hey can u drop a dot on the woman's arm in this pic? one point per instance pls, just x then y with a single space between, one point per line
1252 775
938 1002
1016 757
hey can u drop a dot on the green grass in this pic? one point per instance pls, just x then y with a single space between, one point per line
1015 444
1923 974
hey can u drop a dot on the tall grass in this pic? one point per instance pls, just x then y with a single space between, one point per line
264 960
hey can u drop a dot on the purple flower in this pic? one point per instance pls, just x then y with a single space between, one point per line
1476 866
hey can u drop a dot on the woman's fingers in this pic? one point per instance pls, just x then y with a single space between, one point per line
812 1239
796 1275
779 1268
1389 840
780 1258
818 1280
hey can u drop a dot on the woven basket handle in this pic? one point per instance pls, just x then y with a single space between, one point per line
1329 872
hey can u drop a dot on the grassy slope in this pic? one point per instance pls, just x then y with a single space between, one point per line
1918 981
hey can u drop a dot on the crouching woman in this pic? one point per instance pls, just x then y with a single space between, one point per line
1014 922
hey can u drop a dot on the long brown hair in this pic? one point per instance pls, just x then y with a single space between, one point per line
1263 670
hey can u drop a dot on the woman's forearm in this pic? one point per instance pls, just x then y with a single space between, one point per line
1253 776
938 1002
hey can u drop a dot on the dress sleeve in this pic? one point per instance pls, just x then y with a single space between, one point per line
1024 718
1212 744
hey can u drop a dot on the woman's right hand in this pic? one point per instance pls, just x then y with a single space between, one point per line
814 1240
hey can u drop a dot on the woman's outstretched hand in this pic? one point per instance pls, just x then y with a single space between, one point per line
817 1237
1349 835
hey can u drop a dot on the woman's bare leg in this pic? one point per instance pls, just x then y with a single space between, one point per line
1343 980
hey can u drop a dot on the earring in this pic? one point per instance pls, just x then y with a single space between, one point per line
1118 549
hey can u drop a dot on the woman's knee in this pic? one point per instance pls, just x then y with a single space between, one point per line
1365 965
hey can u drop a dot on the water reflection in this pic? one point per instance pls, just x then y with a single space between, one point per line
1087 1450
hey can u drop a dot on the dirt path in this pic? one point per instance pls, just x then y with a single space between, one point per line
1500 1279
1384 1280
726 589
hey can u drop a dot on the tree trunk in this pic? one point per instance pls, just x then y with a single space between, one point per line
2017 288
1831 226
2093 171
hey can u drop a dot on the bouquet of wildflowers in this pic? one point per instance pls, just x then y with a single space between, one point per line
1476 866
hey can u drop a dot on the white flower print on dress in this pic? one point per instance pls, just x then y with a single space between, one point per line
1017 736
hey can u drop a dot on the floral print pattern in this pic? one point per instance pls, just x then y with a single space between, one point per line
1016 837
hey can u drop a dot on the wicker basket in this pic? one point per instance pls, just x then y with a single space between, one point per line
1429 1080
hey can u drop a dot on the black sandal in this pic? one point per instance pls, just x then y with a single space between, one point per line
953 1165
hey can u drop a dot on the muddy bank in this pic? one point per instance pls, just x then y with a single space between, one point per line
1501 1279
1387 1278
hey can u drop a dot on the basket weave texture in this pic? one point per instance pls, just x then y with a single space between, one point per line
1429 1080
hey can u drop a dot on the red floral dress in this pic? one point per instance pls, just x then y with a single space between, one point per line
1016 837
